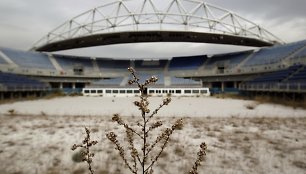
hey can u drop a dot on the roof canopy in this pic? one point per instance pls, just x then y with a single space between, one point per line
142 16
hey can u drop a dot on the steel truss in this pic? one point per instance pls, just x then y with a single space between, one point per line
162 15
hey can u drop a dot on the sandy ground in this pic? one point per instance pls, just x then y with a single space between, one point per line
179 107
239 140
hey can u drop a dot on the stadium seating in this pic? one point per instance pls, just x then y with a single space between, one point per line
289 74
176 81
19 82
299 76
68 62
29 59
150 64
2 61
187 63
119 80
233 59
274 54
291 79
116 74
109 82
105 63
146 75
301 54
272 77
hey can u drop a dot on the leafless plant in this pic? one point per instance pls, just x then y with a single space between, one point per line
251 106
144 157
11 111
200 157
86 144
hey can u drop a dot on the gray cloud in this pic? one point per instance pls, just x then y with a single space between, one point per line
24 22
281 9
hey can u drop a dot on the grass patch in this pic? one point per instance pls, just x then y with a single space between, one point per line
179 151
230 96
299 164
54 95
11 112
266 99
251 106
277 100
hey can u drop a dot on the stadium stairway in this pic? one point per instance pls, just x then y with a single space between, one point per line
132 64
125 80
95 65
203 67
20 82
298 69
280 76
293 55
167 67
167 80
244 61
7 59
55 63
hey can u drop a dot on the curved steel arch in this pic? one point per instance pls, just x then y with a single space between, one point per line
143 16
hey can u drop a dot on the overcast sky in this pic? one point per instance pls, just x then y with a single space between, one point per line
23 22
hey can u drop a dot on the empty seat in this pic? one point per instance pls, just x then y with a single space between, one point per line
150 64
145 75
300 76
68 62
232 59
184 82
105 63
29 59
301 54
13 81
279 76
274 54
187 63
108 82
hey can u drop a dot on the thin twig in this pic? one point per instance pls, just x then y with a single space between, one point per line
86 144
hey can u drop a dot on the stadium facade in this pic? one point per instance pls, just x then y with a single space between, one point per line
274 68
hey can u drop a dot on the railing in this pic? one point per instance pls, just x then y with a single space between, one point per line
21 88
274 87
68 91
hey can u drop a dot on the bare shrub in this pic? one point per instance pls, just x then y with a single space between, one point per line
10 143
42 113
85 153
299 164
141 159
12 111
251 106
54 95
179 151
200 157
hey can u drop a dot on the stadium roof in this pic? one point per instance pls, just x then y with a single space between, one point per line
130 21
